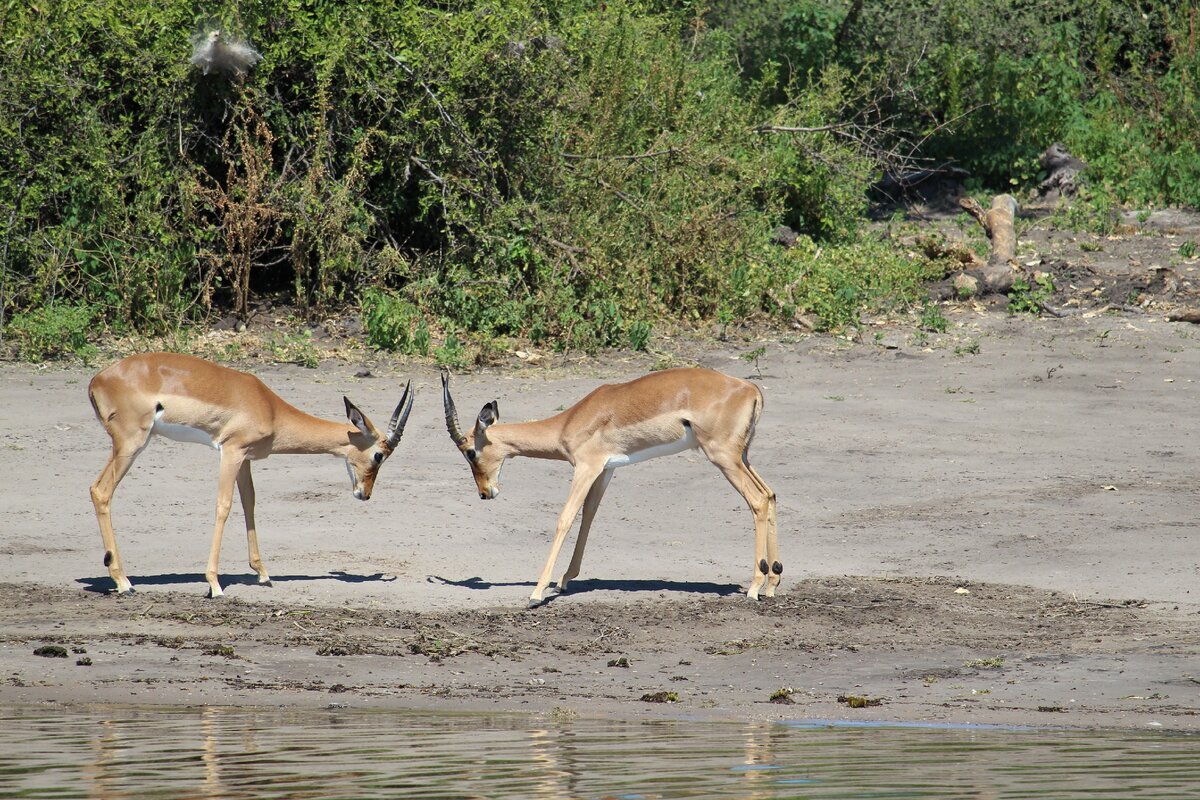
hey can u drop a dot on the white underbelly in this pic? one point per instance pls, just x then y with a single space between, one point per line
686 442
181 433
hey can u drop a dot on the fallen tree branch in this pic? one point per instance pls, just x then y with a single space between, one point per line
972 207
579 156
628 198
800 129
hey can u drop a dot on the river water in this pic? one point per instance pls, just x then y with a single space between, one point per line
262 754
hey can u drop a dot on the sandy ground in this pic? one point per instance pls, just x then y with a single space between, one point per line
1001 536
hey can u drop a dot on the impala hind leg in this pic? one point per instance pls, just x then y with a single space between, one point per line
581 484
590 504
245 485
126 446
231 466
772 534
761 500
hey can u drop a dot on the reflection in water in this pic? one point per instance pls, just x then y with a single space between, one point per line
222 754
100 770
758 762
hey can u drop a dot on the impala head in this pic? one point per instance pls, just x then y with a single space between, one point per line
369 448
482 456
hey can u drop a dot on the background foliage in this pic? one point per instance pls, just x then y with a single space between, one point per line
989 84
571 173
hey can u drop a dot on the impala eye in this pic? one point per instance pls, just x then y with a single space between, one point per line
379 458
471 454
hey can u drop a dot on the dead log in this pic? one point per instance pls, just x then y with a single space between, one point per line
997 275
1191 315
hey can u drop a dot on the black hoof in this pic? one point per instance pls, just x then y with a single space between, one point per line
268 584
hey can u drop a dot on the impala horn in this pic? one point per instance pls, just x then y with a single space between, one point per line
451 414
400 416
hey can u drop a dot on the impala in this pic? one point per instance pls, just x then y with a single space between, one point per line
621 424
192 400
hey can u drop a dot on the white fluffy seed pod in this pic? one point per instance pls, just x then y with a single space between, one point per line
217 51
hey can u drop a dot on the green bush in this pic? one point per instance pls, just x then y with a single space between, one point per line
836 284
452 352
933 320
514 168
1094 209
53 332
639 335
1029 296
392 323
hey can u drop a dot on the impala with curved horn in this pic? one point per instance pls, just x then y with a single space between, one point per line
192 400
620 424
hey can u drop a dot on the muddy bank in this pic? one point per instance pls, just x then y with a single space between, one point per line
924 650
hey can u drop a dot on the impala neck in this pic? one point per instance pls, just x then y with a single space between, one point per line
539 439
298 432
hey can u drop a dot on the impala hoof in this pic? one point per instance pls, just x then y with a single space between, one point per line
126 592
266 583
547 595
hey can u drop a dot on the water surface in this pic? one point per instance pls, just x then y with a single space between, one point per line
233 754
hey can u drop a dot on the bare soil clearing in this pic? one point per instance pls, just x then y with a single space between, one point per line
990 525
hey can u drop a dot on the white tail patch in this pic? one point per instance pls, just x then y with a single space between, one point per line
181 433
686 442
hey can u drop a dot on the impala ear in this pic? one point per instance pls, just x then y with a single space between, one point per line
488 415
357 418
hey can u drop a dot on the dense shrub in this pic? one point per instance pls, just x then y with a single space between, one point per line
574 173
564 172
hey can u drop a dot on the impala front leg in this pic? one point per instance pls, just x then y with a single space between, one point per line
231 465
102 494
590 504
581 484
245 486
